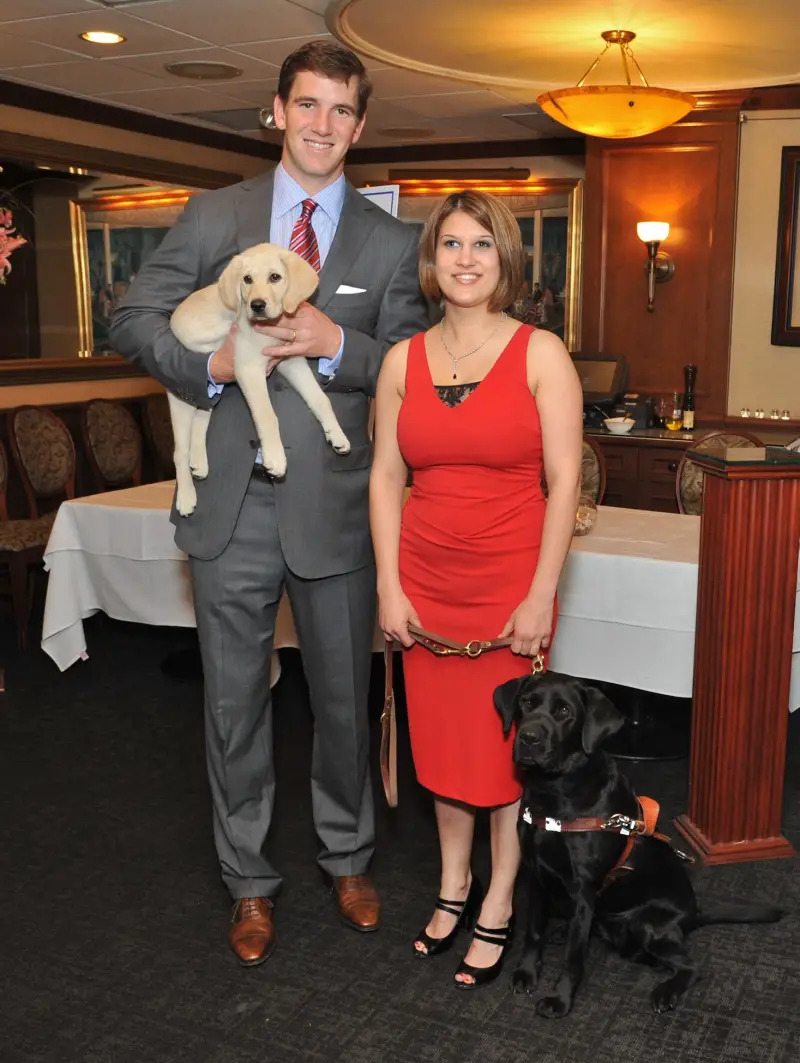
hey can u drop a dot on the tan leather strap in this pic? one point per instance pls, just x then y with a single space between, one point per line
388 754
445 647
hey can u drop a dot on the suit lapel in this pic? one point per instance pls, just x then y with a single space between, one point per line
355 225
253 212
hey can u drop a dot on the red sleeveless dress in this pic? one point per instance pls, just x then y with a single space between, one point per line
469 545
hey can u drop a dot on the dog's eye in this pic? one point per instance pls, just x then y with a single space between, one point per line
274 278
562 711
247 278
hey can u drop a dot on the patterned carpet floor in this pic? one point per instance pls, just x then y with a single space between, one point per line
113 918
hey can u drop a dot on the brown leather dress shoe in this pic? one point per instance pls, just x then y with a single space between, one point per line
358 902
252 931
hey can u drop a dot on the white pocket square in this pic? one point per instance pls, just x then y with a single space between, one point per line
346 289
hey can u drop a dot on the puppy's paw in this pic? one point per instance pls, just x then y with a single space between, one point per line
186 501
199 468
338 440
274 462
523 981
553 1007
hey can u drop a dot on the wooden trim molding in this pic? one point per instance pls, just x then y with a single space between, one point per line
492 149
44 150
59 105
58 370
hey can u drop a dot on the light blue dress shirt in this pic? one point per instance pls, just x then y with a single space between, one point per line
287 200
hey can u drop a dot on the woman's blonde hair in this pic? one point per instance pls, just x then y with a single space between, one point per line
494 216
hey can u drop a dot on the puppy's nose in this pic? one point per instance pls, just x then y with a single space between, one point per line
258 306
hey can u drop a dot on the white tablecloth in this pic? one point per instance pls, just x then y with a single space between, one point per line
627 596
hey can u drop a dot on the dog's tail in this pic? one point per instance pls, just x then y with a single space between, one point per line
739 913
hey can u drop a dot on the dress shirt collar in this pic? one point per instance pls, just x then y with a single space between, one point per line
287 195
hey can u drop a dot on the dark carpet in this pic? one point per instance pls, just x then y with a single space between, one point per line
113 918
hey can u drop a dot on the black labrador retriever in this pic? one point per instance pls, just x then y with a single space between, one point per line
644 911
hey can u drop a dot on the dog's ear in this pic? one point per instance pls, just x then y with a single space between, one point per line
228 284
601 721
303 280
506 702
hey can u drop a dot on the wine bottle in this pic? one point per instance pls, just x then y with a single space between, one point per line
689 377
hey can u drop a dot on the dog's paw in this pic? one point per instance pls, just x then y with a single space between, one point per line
199 468
186 501
665 997
523 981
275 464
553 1007
338 440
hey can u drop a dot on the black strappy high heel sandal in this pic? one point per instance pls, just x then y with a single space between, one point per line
483 975
467 912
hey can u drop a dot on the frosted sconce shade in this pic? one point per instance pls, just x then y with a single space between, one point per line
647 231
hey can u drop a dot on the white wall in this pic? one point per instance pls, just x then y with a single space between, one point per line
761 375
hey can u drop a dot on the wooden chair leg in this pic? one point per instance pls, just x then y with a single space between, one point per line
18 569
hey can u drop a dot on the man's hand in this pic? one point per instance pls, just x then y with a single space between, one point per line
308 333
220 366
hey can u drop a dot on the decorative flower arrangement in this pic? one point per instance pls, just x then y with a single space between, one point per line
8 242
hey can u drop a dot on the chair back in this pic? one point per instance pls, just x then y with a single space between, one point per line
689 477
593 472
44 454
113 444
3 482
158 428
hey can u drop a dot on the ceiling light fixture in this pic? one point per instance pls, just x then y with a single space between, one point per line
199 71
102 37
616 110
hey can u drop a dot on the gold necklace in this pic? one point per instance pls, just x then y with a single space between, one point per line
455 359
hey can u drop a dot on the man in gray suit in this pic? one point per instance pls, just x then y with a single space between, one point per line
251 537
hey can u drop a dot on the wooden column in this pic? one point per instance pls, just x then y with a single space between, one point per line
746 596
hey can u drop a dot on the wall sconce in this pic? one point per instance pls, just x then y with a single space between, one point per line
660 266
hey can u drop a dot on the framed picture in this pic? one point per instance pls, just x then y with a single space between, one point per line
786 301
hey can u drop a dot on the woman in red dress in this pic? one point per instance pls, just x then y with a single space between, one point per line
479 406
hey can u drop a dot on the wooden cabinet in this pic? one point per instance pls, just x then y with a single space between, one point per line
640 471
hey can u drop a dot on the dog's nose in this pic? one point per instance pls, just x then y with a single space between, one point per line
531 736
258 306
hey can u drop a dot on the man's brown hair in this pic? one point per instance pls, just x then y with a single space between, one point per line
328 59
494 216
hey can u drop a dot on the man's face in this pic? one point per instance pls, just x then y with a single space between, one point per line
320 122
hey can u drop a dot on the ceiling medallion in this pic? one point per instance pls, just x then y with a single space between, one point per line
203 71
616 110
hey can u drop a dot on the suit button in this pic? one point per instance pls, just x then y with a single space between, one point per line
254 444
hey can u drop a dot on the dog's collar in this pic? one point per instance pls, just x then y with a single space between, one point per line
619 823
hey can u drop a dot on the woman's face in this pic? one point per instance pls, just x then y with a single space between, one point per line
467 261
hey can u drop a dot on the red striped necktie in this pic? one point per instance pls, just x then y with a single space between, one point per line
304 239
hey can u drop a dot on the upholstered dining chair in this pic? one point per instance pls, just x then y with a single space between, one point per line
113 444
689 477
158 430
22 544
593 472
44 455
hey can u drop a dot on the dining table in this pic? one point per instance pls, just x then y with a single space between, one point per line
626 599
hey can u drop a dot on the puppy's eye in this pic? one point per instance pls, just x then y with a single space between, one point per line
274 278
247 278
562 711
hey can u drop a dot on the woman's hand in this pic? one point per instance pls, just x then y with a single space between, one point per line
395 613
530 625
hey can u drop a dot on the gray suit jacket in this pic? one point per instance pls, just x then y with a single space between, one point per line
322 501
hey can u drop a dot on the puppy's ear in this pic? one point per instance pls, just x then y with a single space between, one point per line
601 721
228 284
506 701
303 281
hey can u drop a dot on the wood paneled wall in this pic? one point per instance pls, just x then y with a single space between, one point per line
685 175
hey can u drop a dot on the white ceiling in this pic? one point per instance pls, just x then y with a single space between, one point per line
40 46
499 54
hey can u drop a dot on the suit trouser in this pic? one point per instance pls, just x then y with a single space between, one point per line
236 603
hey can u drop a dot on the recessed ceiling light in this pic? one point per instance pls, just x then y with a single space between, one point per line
203 71
102 37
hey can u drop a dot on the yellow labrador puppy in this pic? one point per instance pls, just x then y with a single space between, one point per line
256 286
